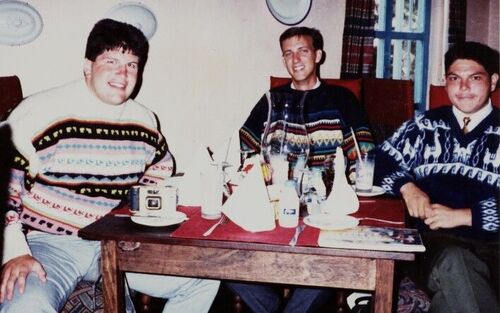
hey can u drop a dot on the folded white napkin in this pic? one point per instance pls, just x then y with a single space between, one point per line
342 199
249 205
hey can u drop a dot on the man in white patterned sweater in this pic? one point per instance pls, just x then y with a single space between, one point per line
445 165
80 147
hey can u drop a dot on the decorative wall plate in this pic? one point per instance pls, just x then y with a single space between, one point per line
136 14
289 12
20 23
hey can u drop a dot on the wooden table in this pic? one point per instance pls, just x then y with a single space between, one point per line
159 253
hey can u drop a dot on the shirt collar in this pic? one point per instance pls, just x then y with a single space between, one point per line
318 82
475 118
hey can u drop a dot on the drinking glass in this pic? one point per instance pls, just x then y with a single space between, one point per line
365 166
212 180
285 142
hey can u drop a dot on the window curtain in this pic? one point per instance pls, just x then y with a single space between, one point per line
359 33
457 20
444 32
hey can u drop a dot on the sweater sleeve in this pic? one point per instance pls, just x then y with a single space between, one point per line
485 212
251 132
394 158
162 166
15 243
354 117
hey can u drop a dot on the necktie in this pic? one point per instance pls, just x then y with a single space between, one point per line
465 130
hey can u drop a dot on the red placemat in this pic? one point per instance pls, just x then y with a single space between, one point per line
372 212
196 226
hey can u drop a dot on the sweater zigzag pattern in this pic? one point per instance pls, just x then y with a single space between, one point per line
73 168
329 114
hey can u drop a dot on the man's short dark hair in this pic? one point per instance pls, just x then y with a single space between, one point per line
475 51
109 34
317 38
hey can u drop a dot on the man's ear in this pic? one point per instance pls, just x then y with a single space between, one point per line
494 81
87 67
319 55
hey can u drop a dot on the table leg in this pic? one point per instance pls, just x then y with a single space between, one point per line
384 285
112 278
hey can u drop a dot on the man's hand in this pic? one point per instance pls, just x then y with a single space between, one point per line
417 201
16 271
444 217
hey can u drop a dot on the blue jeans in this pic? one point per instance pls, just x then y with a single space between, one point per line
265 298
70 259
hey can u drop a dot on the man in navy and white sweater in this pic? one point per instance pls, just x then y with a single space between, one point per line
445 164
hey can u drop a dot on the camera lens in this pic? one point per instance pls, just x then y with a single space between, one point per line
153 203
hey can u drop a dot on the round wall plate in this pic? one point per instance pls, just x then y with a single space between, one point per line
20 23
136 14
289 12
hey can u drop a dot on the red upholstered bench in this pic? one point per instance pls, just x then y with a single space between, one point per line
438 97
385 113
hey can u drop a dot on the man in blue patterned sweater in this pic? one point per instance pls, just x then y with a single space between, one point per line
445 165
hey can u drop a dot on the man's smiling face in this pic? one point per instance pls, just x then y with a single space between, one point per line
469 85
112 76
301 59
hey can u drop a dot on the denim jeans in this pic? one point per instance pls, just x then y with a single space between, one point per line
70 259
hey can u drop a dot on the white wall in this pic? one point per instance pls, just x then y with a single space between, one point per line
483 22
209 60
482 25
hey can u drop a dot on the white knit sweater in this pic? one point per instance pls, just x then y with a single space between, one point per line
77 158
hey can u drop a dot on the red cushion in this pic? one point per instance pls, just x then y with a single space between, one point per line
11 94
354 85
439 97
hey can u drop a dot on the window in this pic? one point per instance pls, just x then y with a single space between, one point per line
401 43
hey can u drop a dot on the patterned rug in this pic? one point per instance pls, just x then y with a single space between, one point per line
412 299
85 299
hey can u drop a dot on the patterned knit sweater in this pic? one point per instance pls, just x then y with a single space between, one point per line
77 157
456 170
329 113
